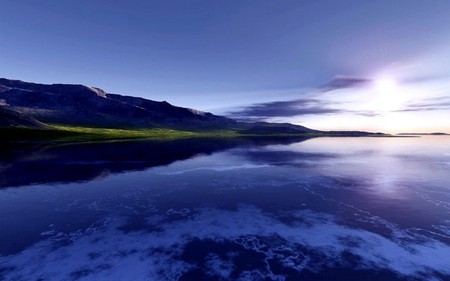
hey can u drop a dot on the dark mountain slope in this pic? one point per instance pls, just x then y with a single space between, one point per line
10 118
174 116
29 104
87 106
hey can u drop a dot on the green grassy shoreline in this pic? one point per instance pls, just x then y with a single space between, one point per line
73 133
68 133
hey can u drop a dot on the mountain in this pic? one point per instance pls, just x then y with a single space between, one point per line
261 128
33 105
81 105
10 118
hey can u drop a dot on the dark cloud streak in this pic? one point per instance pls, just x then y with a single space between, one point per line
285 109
292 108
345 82
304 106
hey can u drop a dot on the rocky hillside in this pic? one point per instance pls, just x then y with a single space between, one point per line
88 106
31 104
10 118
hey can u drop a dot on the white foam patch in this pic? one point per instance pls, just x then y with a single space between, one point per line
106 253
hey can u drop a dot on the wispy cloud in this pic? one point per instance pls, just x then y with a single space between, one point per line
286 109
345 82
429 104
316 105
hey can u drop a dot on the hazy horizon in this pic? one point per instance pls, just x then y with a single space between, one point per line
328 65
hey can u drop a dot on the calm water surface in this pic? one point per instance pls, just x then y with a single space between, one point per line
316 209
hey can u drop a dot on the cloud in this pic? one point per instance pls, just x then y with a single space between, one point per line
345 82
320 104
286 109
429 104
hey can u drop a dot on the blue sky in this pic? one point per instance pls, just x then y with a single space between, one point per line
230 56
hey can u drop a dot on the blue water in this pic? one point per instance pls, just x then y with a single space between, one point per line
297 209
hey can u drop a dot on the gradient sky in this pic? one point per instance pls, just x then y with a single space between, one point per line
367 65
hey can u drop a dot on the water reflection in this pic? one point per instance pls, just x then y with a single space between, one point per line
230 209
25 164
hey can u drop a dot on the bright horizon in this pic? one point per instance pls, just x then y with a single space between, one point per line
350 65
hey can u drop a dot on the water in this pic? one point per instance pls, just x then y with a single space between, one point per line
224 209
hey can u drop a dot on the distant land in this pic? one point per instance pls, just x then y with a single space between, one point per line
31 110
424 134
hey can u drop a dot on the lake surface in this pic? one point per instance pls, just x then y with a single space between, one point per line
218 209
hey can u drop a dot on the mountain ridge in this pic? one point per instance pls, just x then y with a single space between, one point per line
34 105
80 105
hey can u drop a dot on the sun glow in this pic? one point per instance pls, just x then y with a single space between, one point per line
388 94
386 85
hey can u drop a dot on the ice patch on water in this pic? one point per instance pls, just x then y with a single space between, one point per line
182 212
216 266
445 228
104 252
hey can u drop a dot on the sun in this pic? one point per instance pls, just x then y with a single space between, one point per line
386 85
388 96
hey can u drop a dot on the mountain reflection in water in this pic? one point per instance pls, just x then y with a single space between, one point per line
24 164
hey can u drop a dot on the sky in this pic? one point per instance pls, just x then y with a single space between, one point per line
333 65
